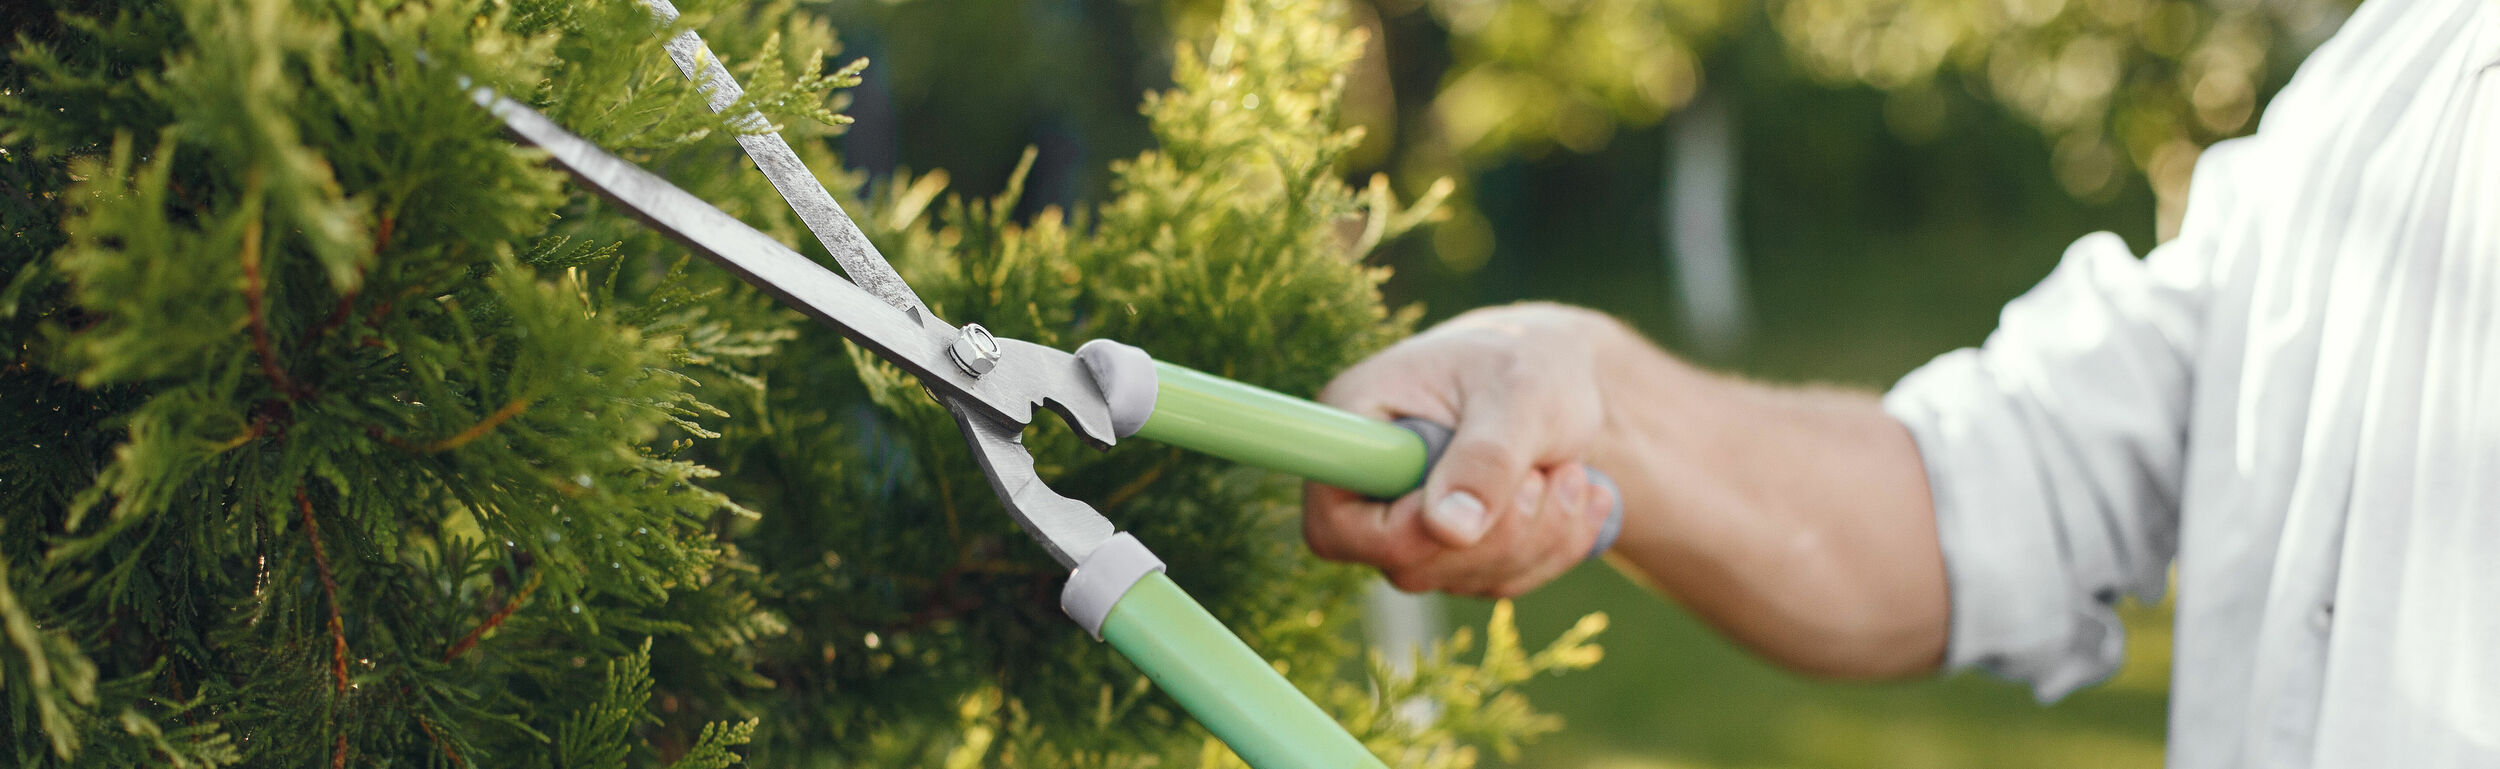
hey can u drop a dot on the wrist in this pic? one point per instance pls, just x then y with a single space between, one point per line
1642 390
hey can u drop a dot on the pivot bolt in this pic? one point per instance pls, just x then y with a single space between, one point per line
975 351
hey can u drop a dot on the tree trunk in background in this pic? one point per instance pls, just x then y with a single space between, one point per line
1704 264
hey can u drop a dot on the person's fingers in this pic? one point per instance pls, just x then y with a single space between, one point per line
1324 510
1569 487
1566 540
1523 552
1513 543
1341 525
1501 510
1481 475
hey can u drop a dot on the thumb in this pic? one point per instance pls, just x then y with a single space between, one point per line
1478 482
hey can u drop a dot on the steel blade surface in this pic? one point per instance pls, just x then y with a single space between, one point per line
805 193
1029 375
1069 529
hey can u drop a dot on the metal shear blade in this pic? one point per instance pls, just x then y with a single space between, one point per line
1069 529
1027 375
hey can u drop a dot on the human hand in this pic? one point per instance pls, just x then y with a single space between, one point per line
1509 506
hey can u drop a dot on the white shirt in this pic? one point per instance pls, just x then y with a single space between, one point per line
2297 400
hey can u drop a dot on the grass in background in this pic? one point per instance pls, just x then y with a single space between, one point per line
1673 694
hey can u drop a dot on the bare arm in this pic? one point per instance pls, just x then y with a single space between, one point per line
1796 521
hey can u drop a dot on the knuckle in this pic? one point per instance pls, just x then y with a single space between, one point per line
1522 365
1349 385
1325 538
1479 455
1403 558
1323 547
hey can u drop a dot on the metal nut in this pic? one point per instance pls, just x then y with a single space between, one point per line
974 350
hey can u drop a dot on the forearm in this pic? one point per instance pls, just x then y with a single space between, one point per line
1796 521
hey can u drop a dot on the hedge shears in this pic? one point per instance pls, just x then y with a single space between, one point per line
1105 391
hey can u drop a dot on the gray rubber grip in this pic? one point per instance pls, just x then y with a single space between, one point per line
1437 440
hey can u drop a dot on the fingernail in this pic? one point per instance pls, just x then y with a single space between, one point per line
1460 515
1574 491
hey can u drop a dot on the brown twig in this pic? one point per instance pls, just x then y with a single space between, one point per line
492 621
474 432
1135 486
373 317
945 600
382 232
944 603
259 423
338 317
338 751
254 296
246 437
183 194
454 755
329 588
347 299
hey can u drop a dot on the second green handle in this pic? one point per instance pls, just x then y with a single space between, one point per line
1224 684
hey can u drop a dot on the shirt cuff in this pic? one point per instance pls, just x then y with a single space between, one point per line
2017 610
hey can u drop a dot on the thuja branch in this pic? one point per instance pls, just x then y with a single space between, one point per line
329 590
347 300
249 432
473 432
493 621
338 631
255 292
448 752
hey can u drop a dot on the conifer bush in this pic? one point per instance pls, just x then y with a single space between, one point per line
335 430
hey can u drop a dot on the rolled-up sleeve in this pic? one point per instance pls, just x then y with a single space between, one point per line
2055 456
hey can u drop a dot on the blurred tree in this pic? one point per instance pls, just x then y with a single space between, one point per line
1526 74
2116 84
2119 86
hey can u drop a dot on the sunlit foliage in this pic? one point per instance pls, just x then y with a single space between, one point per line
2120 87
336 430
2117 84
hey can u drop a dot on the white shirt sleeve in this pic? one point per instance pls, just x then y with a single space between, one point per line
2055 453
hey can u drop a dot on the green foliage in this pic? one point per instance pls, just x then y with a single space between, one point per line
712 748
602 734
2117 84
2122 89
51 677
335 429
1474 702
1527 74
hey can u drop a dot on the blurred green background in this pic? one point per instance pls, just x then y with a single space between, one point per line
1801 190
1866 255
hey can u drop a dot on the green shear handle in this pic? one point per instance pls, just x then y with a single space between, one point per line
1173 404
1120 595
